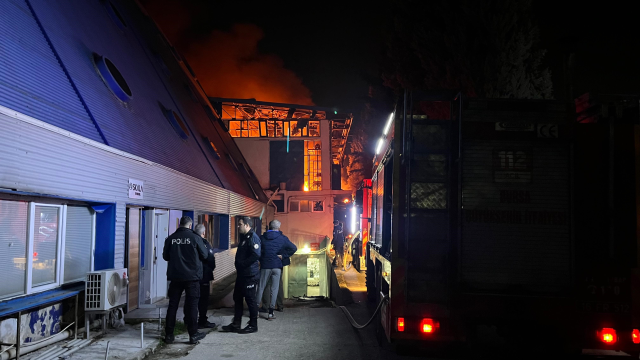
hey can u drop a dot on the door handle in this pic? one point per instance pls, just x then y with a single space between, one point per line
155 254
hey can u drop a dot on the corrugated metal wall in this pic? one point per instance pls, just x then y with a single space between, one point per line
242 205
66 165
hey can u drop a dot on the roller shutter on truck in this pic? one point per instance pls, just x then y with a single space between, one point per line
515 229
430 205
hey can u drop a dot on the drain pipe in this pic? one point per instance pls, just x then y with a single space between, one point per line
24 349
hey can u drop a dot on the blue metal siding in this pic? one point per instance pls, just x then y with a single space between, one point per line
79 28
31 79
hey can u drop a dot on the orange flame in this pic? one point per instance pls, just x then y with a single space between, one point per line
306 186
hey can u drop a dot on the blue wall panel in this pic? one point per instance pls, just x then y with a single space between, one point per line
31 79
105 237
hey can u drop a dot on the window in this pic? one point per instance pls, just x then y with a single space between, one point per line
36 254
244 128
112 77
78 243
13 247
234 235
212 225
305 206
45 245
278 201
177 123
212 148
273 128
312 165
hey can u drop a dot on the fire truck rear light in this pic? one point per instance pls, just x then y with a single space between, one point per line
635 336
428 326
608 335
400 326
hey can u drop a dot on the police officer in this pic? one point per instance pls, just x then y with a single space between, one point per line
205 283
184 251
248 277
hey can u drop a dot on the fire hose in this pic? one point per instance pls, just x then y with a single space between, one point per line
353 321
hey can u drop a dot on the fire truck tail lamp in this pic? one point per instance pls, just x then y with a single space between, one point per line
608 335
635 336
428 326
400 325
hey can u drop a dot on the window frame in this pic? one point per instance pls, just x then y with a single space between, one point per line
313 207
29 287
59 281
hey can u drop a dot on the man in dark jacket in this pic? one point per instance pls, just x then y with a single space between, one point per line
205 284
247 279
184 252
275 249
338 243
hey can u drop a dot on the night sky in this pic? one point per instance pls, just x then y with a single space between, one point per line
331 49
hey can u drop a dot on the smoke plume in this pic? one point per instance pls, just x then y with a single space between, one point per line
228 63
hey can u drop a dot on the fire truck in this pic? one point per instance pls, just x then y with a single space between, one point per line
508 214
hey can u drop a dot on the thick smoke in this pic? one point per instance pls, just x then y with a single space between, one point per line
228 63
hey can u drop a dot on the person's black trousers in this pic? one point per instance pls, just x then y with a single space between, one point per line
245 289
203 304
192 291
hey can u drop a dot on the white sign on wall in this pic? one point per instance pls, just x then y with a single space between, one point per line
136 189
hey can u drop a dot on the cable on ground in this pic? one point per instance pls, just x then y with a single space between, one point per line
353 321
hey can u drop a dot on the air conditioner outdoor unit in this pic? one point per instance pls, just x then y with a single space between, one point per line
105 289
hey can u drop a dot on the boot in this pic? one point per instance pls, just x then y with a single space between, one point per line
249 329
233 327
195 338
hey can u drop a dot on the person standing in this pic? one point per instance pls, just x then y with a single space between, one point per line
247 279
276 247
205 284
184 252
338 243
266 296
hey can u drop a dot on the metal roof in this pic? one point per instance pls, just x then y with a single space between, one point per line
49 73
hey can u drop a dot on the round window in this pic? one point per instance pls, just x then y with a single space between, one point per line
212 148
177 123
115 15
112 77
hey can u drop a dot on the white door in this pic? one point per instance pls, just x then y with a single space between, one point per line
161 232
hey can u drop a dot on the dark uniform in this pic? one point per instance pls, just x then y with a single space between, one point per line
184 252
205 284
248 269
338 245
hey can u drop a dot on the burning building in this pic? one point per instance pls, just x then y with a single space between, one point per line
295 152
